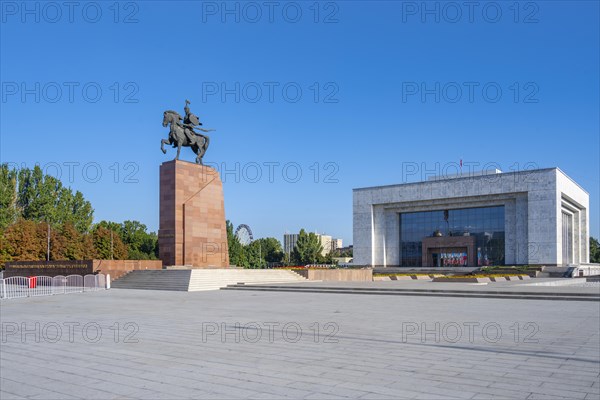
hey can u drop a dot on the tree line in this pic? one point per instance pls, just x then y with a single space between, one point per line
263 252
32 203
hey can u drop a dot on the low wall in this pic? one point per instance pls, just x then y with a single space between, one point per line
118 268
355 275
587 270
47 268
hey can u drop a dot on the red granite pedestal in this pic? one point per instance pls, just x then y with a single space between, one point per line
192 228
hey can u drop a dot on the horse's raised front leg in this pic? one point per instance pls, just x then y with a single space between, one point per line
162 145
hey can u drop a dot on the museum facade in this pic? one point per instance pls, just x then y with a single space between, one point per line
534 217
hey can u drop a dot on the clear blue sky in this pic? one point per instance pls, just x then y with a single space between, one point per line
366 119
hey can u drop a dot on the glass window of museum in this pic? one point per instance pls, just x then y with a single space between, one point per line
485 223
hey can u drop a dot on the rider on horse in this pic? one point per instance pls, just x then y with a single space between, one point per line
182 133
190 121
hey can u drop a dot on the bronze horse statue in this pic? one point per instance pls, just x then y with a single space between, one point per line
181 135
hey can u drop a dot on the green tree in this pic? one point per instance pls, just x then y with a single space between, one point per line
271 249
346 253
150 245
43 198
594 250
37 195
328 258
307 250
75 209
142 245
237 254
254 255
133 234
8 196
113 226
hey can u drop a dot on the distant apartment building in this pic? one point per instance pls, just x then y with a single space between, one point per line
326 242
329 244
289 242
336 244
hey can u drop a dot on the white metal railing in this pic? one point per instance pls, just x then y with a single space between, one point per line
16 286
21 286
101 282
74 284
40 286
90 283
59 284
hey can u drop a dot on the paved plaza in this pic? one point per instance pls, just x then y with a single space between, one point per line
247 344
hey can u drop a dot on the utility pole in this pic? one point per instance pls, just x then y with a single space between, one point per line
48 246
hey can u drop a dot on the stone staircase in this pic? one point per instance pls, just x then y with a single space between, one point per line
192 280
555 272
161 279
214 279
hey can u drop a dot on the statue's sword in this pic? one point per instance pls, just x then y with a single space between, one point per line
205 130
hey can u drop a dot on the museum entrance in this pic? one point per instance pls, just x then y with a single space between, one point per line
448 257
449 251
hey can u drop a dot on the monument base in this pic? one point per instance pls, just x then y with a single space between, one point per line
192 229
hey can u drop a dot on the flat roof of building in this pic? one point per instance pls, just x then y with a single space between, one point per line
470 175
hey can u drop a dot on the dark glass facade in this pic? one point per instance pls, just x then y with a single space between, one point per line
485 223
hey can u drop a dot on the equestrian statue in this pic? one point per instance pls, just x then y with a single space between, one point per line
184 133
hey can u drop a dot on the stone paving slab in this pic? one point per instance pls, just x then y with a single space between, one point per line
260 345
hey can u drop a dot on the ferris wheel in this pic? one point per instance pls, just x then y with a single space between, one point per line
244 234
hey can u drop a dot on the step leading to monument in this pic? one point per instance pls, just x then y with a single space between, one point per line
192 280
